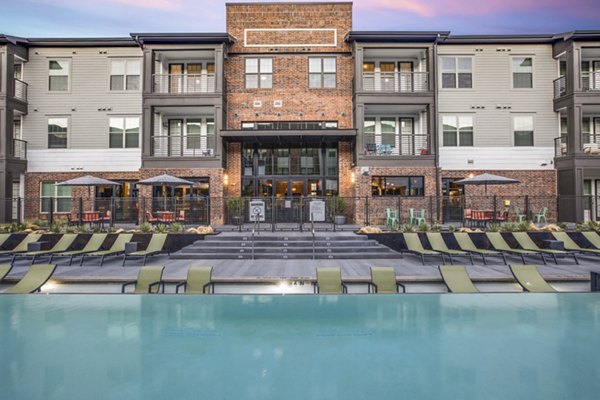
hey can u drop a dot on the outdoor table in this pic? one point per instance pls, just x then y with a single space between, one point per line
91 217
166 216
131 247
482 216
35 246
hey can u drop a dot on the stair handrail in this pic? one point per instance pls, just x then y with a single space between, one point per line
254 229
312 231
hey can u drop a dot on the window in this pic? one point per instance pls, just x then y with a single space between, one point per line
124 132
405 186
457 130
57 197
523 129
321 73
288 125
259 73
18 71
457 72
57 132
522 68
58 71
125 74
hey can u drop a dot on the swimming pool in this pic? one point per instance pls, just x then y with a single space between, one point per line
430 346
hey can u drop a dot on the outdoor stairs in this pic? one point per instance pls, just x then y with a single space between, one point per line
286 246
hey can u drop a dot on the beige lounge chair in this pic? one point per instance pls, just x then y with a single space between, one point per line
156 246
527 243
414 245
149 281
63 244
499 244
117 248
329 281
438 244
466 243
21 247
4 270
94 244
571 245
198 281
530 279
457 279
383 281
34 279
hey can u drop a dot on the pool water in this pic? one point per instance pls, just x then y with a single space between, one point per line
430 346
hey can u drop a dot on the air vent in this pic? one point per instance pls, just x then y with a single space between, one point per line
277 103
257 103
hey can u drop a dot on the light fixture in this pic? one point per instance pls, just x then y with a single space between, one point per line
471 175
352 177
225 179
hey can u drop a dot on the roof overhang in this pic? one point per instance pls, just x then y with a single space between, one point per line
290 137
395 37
181 38
499 39
81 42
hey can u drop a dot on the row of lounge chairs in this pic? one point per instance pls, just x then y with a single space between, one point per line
497 246
66 247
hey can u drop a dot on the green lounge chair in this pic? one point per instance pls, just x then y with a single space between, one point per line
466 244
4 270
530 279
571 245
329 281
156 246
457 279
64 243
149 281
593 238
383 281
413 244
437 243
117 248
33 280
528 244
94 244
4 237
21 247
198 281
499 244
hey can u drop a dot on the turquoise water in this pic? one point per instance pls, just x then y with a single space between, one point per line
448 346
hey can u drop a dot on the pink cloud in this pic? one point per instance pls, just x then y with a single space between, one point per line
165 5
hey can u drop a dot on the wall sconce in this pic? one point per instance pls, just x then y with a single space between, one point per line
352 177
225 179
471 175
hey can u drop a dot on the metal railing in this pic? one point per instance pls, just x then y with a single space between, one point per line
590 81
184 83
183 146
560 86
20 90
397 82
396 145
20 149
561 146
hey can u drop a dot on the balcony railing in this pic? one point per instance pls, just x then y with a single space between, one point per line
560 86
397 145
590 81
561 145
396 82
20 90
183 146
20 149
184 83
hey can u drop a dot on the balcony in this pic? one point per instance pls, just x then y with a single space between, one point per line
590 81
560 86
396 145
183 83
19 149
561 145
183 146
20 90
395 82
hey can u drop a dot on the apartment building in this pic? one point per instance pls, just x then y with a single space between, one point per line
291 103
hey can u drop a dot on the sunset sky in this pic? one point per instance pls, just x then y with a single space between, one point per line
55 18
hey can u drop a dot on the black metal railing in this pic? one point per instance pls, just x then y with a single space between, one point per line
20 149
397 82
183 146
396 145
590 81
20 90
560 86
184 83
561 146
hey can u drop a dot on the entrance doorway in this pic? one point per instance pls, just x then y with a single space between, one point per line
452 202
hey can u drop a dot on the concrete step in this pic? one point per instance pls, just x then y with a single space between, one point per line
283 238
303 243
279 256
289 250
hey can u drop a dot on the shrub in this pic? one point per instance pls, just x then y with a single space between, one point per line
436 228
176 227
522 226
508 227
494 228
160 228
57 227
145 227
423 227
562 225
451 228
408 228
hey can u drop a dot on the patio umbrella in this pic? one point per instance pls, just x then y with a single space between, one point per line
487 179
166 180
89 181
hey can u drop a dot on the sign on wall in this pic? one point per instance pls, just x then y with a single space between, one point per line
317 211
256 211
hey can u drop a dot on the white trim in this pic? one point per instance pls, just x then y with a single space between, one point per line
89 160
334 30
496 158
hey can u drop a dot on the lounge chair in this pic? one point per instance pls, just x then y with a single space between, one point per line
466 244
500 244
21 247
34 279
457 279
530 279
437 243
383 281
329 281
198 281
4 237
571 245
94 244
593 238
156 246
64 243
149 281
528 244
117 248
4 270
413 244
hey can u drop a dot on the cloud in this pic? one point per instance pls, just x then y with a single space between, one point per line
163 5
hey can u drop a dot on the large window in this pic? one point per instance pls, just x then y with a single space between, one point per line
457 130
57 197
457 72
125 74
398 186
393 136
57 132
124 132
522 68
321 73
58 75
259 73
523 130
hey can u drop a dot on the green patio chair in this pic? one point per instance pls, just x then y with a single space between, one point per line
21 247
527 243
457 279
411 216
149 281
593 238
571 245
391 218
156 246
117 248
520 217
530 279
383 281
414 245
4 270
466 244
94 244
34 279
420 218
63 244
499 244
541 216
329 281
199 281
438 244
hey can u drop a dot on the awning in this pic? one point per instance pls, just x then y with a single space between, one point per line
290 137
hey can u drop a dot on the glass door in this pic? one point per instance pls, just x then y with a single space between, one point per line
388 79
175 78
595 76
175 132
405 71
452 200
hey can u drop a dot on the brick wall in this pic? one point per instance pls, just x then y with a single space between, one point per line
234 170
